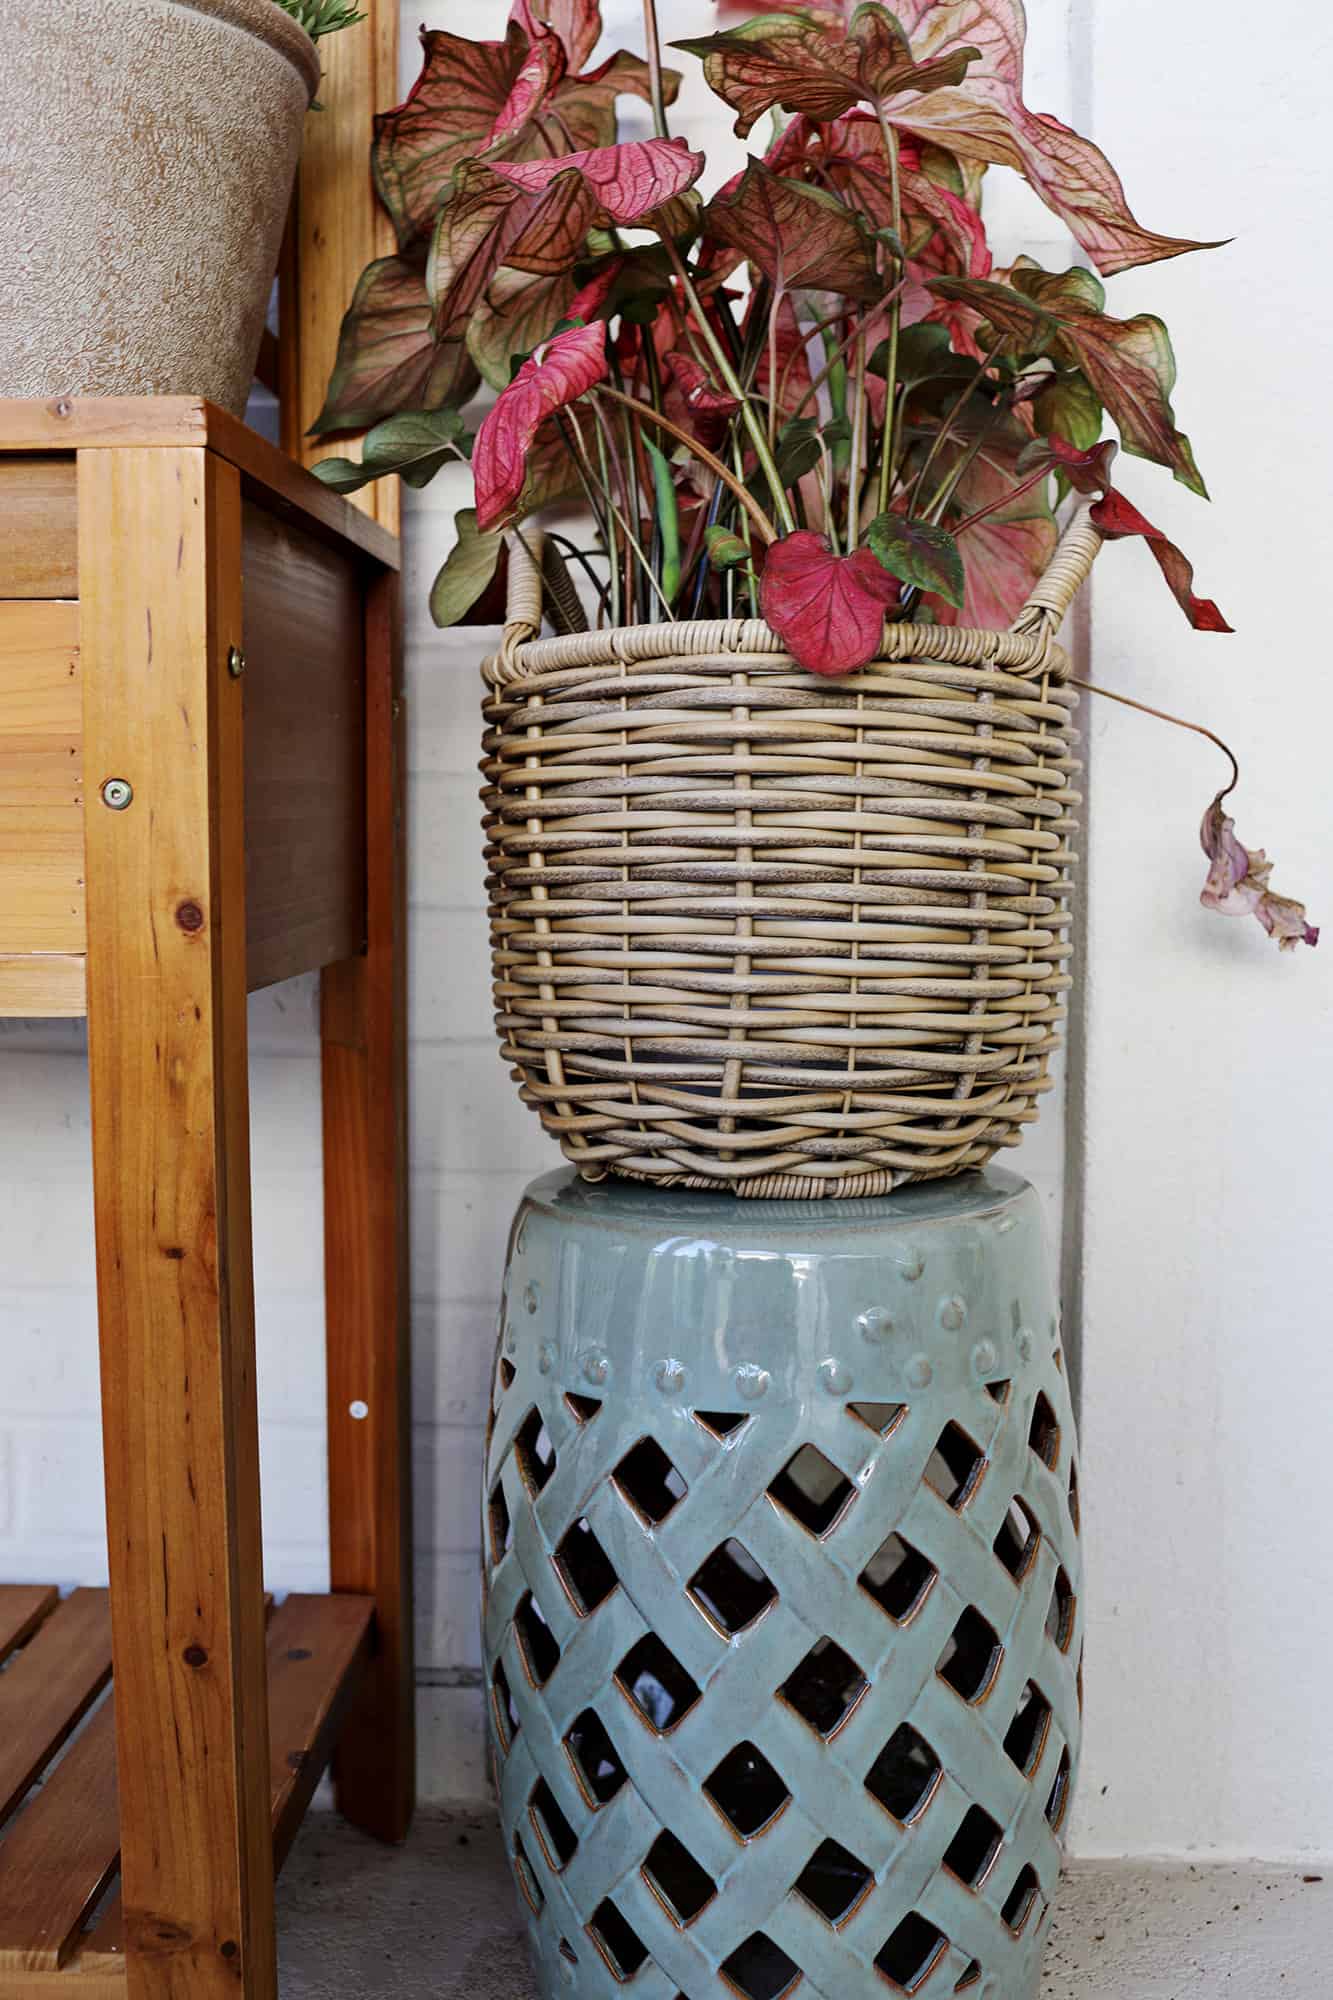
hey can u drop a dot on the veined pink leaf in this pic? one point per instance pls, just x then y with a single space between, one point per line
697 386
520 309
827 610
540 71
388 356
1237 883
447 117
1006 552
627 181
552 378
576 24
1128 362
989 121
1117 519
817 67
799 237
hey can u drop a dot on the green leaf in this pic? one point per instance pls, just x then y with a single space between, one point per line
344 475
918 553
414 445
1070 409
725 550
798 449
468 569
668 519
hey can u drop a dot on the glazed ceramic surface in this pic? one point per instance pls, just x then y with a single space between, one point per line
782 1622
147 154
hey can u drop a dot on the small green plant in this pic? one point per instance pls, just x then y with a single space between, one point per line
321 17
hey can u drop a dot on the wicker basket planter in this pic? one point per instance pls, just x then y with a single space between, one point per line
758 931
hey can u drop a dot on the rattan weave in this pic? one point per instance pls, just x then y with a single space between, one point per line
789 936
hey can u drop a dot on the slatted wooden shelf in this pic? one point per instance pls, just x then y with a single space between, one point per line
60 1815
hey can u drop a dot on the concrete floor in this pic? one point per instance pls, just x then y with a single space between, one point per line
437 1920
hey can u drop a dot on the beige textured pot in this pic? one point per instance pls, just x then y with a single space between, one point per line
147 153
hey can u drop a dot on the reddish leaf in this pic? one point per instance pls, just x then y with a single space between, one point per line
576 24
988 121
697 386
799 237
515 313
486 223
816 67
1128 362
388 356
827 610
558 375
627 181
1006 553
540 71
1116 518
586 105
1237 883
446 118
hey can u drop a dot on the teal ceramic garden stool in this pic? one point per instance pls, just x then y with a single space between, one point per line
782 1621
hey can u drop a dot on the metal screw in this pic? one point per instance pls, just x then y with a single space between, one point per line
117 793
235 662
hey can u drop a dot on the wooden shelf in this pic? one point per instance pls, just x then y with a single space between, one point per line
185 611
60 1816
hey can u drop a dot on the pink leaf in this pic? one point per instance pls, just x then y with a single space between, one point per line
987 120
1117 519
541 70
1237 883
576 25
628 181
697 387
552 378
827 610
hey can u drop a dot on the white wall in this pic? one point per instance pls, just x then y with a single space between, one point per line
1206 1250
1208 1161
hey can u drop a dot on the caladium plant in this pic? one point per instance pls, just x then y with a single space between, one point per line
815 396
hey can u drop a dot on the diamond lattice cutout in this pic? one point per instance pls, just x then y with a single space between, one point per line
620 1945
833 1882
677 1878
730 1588
760 1969
534 1451
1044 1435
880 1417
1019 1902
825 1687
898 1577
656 1683
595 1759
955 1466
812 1490
971 1660
558 1838
1025 1738
910 1955
905 1774
971 1853
649 1481
541 1654
746 1790
1018 1540
585 1569
1060 1617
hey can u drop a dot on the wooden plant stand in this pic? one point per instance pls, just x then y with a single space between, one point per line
200 729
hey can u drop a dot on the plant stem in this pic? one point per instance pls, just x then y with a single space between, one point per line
1163 715
705 457
854 456
758 436
654 42
895 317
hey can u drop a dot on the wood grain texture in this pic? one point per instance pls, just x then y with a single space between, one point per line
23 1606
171 423
167 1054
317 1650
43 985
49 1687
39 548
62 1853
305 785
365 1249
340 228
41 778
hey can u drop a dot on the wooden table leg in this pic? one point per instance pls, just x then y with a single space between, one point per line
366 1276
160 584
